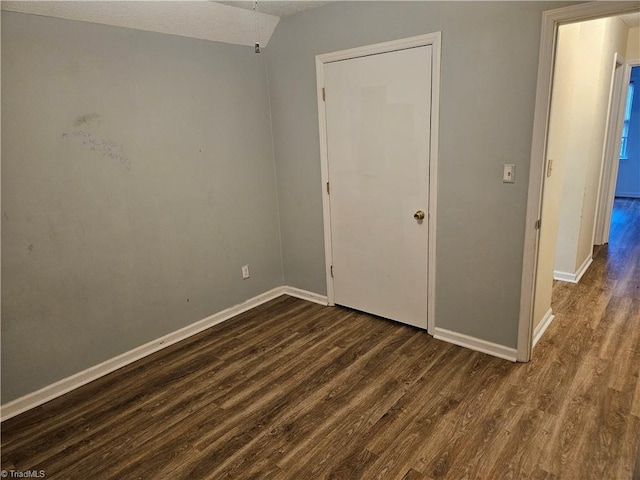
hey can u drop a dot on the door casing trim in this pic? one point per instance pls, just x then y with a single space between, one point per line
609 170
434 40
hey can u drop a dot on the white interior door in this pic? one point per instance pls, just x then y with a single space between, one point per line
378 111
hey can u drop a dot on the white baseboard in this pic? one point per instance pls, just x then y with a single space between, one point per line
573 277
32 400
305 295
477 344
542 326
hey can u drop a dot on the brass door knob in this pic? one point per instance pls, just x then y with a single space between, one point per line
419 215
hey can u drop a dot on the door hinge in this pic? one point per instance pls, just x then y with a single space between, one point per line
538 224
324 95
328 189
331 271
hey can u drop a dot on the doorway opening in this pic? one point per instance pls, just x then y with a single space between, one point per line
628 178
627 181
583 48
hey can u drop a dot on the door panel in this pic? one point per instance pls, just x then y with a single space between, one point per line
378 123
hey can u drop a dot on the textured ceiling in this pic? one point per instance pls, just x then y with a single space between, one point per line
276 7
197 19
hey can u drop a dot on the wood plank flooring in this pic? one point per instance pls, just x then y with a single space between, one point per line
293 390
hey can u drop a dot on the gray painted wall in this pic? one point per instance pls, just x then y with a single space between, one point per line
137 178
489 67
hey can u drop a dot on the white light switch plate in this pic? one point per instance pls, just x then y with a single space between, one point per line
509 173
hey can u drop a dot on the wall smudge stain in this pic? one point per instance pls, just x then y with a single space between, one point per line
103 146
86 119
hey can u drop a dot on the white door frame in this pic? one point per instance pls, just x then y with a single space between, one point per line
551 20
433 39
609 171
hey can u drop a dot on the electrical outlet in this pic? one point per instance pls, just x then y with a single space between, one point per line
245 272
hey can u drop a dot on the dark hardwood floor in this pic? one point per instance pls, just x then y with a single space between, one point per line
294 390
